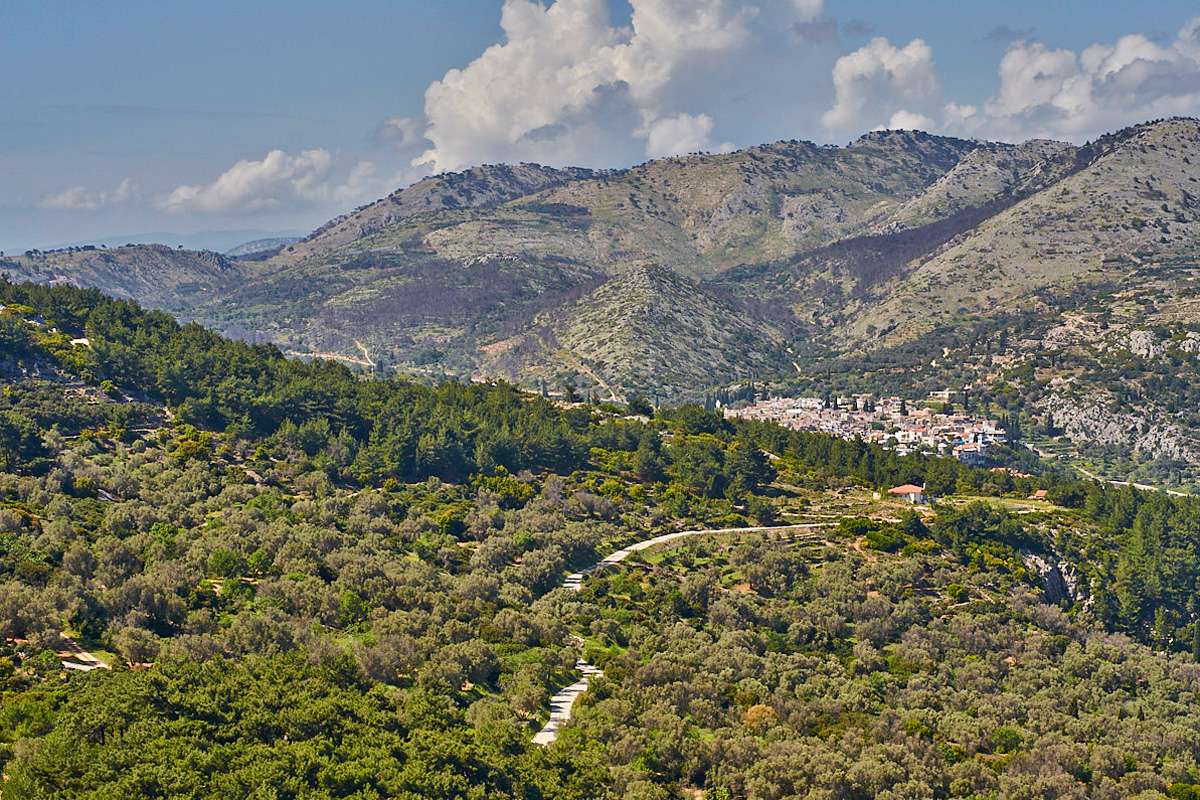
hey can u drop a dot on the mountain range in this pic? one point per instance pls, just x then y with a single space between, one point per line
682 274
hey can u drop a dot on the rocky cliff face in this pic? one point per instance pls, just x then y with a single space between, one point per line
1058 578
1093 422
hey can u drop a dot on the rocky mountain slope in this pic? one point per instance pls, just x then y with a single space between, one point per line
619 330
505 270
260 246
155 275
1133 200
689 272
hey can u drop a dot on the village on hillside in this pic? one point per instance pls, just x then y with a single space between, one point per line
890 422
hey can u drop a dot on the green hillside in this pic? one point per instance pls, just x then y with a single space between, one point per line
686 274
276 578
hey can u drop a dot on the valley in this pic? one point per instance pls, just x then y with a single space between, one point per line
600 400
211 519
784 265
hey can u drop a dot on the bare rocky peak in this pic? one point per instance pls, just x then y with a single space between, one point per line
939 151
993 172
476 187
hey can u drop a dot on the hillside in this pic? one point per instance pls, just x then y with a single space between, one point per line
687 273
441 276
1135 201
258 247
153 274
227 573
393 275
646 331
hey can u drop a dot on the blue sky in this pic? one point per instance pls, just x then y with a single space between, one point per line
127 117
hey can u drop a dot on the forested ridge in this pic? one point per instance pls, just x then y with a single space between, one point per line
311 584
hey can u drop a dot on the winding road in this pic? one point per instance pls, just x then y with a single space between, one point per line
1145 487
564 699
1087 473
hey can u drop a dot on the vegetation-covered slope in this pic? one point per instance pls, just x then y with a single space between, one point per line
312 585
1134 202
775 260
646 331
154 274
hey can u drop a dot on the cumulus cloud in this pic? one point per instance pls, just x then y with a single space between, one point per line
682 133
1062 93
253 185
908 121
79 198
277 180
958 115
880 81
566 85
1042 91
1033 76
403 132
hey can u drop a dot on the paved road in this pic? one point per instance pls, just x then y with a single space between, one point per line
1145 487
1087 473
564 699
75 657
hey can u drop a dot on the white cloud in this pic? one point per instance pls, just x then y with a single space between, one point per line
253 185
1033 75
565 85
958 114
1042 91
908 121
403 132
79 198
1061 93
279 180
880 81
682 133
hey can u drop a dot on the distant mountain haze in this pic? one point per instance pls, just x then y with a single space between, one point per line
218 240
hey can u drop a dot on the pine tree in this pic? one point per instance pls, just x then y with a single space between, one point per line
647 459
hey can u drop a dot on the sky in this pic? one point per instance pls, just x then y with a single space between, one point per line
206 122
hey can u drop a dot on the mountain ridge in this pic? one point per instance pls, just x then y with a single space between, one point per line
522 271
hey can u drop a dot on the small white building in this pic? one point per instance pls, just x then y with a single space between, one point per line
910 492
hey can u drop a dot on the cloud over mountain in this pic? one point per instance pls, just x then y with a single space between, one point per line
277 179
566 85
1041 91
80 198
602 83
1058 92
881 81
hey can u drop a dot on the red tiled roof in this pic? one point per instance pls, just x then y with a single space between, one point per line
907 488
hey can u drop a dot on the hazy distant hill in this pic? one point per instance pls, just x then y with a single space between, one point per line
153 274
219 241
259 246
